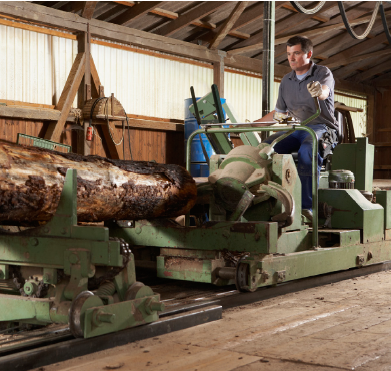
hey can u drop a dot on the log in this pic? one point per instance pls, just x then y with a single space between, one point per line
32 178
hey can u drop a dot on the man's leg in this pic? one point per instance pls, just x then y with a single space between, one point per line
288 145
304 166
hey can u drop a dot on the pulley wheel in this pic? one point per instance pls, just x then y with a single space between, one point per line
82 302
241 278
137 291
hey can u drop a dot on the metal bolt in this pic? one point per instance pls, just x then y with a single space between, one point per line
153 306
105 317
30 288
360 259
280 276
73 259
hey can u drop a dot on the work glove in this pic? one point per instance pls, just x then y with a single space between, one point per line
315 89
279 116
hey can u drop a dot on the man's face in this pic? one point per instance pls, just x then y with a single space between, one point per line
298 60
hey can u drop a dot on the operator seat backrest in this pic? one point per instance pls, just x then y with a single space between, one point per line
339 117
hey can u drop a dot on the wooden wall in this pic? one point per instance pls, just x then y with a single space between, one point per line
165 147
161 146
382 134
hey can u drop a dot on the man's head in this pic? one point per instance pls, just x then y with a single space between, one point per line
299 50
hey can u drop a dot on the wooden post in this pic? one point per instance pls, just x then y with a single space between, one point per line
85 93
218 74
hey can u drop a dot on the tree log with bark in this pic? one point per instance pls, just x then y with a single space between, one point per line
31 181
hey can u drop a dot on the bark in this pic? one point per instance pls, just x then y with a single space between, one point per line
31 181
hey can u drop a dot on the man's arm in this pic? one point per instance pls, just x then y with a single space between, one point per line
317 90
325 92
268 117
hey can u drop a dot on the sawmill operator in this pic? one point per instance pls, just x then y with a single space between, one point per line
295 98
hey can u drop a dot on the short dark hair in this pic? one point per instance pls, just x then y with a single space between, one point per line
305 43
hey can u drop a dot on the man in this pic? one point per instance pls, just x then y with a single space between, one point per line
295 98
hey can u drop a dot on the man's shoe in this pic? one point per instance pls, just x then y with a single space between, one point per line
307 213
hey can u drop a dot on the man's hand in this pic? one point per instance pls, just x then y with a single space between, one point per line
315 89
280 116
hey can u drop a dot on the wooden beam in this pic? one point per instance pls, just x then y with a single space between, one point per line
353 87
83 146
347 59
218 75
45 15
164 13
317 16
373 71
187 18
382 167
30 113
255 38
250 15
67 97
110 134
257 42
222 31
135 12
299 18
155 125
382 144
357 67
88 9
308 33
341 107
95 78
172 15
108 14
354 50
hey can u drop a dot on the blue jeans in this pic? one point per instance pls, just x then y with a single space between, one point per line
301 141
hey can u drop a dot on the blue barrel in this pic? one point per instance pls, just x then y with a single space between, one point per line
198 165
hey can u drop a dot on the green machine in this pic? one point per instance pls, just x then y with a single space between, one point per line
256 235
61 272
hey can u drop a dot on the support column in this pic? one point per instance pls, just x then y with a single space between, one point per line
268 57
84 92
218 74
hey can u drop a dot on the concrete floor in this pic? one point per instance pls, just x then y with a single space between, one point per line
341 326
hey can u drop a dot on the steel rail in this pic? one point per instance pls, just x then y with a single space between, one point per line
178 318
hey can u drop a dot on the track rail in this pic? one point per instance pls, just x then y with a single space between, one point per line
202 306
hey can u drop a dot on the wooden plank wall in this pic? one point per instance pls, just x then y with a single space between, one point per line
381 137
161 146
165 147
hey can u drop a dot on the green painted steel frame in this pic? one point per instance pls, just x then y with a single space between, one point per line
315 240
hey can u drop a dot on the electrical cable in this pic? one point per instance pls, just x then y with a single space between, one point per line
349 27
301 9
385 25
